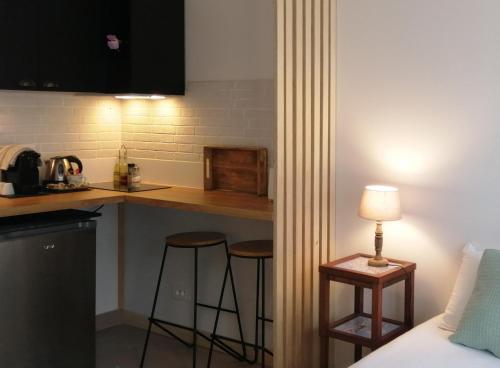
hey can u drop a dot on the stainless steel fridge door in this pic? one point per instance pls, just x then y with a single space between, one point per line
47 298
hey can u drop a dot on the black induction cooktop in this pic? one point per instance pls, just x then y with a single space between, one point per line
123 188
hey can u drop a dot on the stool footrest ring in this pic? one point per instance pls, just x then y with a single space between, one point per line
159 323
215 308
220 344
249 344
265 319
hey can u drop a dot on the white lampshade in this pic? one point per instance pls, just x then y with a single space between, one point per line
380 203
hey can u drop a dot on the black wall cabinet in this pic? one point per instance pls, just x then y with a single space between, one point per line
151 55
71 46
51 45
61 45
18 44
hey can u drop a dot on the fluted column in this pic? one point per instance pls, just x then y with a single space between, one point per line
304 213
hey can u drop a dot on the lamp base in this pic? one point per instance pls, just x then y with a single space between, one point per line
381 262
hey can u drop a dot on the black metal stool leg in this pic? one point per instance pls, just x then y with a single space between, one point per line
154 306
195 306
236 307
219 306
263 326
257 309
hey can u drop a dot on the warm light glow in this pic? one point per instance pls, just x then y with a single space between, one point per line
136 107
406 161
110 112
380 203
157 97
140 97
167 107
407 146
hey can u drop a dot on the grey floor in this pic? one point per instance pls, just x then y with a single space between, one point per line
121 347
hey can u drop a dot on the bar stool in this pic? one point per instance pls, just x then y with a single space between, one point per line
259 250
196 241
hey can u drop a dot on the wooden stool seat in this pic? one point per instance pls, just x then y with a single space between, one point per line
197 239
252 249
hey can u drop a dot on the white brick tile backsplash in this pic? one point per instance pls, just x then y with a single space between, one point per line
181 156
184 130
143 154
176 121
108 145
78 146
214 141
185 148
89 137
142 137
189 139
219 131
106 153
162 155
61 123
52 146
162 129
170 147
211 113
256 133
187 112
166 111
196 148
166 138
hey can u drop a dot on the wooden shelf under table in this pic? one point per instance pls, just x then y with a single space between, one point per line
394 329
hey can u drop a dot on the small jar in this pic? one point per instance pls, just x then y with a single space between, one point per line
134 176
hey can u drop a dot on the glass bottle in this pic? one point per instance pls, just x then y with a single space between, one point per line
123 166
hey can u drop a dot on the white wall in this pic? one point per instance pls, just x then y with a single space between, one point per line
230 39
418 92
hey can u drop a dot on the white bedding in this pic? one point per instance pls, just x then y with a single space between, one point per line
427 346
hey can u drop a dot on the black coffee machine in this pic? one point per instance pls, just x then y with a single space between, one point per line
24 176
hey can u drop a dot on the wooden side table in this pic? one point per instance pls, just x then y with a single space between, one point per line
359 328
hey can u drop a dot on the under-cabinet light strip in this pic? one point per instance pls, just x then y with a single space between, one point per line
140 97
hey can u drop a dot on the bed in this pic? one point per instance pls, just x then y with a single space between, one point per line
427 345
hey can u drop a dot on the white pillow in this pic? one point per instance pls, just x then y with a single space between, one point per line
464 284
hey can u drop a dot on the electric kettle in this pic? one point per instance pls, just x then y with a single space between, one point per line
60 167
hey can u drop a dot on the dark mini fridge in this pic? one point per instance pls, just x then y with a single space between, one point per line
47 290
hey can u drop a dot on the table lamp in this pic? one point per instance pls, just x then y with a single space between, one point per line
379 203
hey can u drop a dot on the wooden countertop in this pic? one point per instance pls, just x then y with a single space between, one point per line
188 199
54 202
220 203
